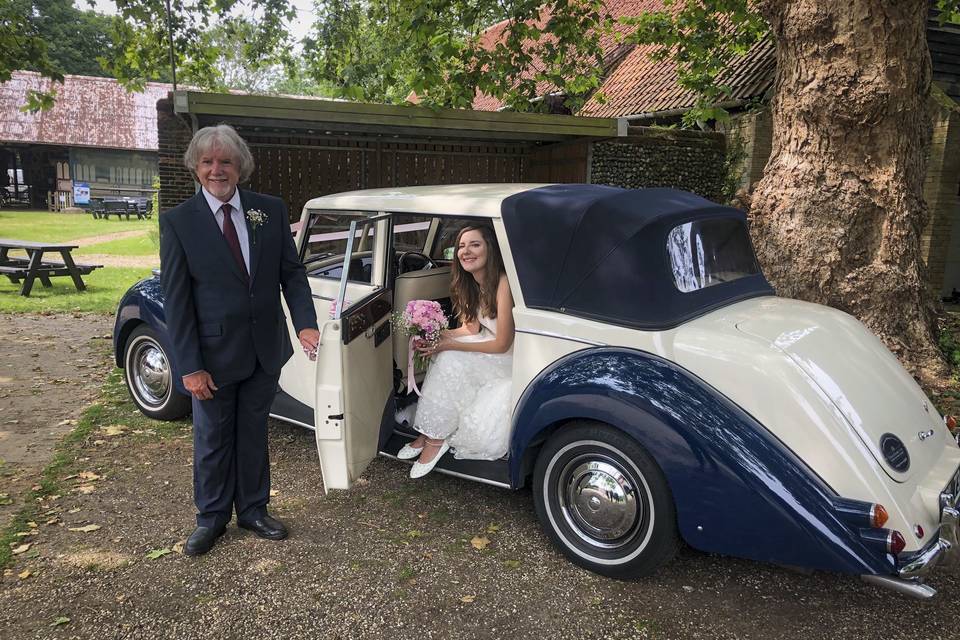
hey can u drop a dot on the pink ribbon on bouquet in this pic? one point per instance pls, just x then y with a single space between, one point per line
411 371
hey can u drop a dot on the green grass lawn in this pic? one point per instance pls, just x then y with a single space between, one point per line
147 245
39 226
104 289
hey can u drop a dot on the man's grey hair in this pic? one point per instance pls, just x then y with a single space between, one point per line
221 136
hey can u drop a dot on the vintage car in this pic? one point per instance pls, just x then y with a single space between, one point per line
661 390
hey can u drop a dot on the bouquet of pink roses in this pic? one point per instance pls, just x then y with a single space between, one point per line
423 321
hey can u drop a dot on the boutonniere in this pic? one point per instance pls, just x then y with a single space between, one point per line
255 218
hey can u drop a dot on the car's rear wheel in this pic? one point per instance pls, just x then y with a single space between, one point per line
150 378
604 501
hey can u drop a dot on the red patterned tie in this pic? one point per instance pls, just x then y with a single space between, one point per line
233 241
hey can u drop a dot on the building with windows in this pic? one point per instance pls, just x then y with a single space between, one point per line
97 133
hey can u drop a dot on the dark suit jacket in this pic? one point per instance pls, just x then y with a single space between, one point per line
215 321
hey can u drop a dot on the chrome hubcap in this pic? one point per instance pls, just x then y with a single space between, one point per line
150 373
599 501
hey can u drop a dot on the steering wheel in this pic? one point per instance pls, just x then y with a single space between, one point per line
422 262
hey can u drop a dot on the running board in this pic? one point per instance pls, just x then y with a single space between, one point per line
493 472
287 408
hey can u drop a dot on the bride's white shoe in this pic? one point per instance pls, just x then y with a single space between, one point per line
409 453
421 469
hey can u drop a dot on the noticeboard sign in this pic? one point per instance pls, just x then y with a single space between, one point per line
81 193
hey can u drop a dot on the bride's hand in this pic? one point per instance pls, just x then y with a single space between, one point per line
428 350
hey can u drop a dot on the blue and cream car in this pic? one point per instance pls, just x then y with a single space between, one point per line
661 391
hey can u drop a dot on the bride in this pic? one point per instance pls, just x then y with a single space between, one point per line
466 393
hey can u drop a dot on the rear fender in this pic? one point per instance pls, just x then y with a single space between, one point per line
143 304
737 489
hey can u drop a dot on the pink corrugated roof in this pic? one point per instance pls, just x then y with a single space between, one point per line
637 84
89 112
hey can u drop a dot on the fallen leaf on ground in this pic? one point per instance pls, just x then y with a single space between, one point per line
59 621
88 475
113 430
178 548
274 493
23 575
493 528
22 548
74 510
86 529
414 533
32 524
468 599
157 553
52 521
480 542
511 564
86 489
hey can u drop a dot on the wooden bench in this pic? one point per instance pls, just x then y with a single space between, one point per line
34 268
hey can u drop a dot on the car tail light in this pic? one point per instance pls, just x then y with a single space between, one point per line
951 423
878 516
895 542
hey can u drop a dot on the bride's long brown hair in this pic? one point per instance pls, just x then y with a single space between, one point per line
468 300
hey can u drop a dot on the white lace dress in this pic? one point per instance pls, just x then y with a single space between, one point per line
466 399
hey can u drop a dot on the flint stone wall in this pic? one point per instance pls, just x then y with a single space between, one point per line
651 157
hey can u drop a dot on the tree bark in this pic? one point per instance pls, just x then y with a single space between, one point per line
838 214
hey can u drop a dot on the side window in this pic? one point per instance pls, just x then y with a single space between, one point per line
327 243
410 232
443 246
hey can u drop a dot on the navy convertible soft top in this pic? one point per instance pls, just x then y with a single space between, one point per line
644 258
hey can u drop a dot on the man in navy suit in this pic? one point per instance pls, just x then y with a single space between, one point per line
226 255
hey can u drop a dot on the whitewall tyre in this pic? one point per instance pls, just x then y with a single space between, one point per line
603 500
149 377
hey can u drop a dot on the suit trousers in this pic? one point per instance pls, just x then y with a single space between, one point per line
231 464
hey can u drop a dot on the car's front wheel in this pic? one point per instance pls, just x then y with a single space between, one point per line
604 501
150 378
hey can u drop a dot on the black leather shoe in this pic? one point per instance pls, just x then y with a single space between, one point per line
202 540
266 527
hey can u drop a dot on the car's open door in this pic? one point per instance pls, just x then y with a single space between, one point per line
354 376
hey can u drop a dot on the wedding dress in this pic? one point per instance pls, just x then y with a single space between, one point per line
466 399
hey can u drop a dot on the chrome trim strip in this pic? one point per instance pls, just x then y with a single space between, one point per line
457 474
292 421
913 589
550 334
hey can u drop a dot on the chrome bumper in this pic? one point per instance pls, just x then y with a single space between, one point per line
944 549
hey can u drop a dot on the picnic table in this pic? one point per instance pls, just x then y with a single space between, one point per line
34 267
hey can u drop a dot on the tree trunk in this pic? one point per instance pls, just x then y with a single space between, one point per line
838 214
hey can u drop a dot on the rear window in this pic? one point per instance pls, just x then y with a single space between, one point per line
709 252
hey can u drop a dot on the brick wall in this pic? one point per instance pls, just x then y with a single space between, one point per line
938 244
754 131
173 136
652 157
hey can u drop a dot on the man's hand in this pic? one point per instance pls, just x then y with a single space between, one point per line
200 385
309 339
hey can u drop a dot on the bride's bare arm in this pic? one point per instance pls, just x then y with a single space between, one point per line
466 329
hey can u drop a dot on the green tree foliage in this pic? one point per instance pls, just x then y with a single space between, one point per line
383 49
76 40
140 35
21 43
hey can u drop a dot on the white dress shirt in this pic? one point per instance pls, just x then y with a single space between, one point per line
239 222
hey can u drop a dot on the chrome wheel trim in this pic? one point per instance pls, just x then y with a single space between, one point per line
598 500
149 372
641 486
